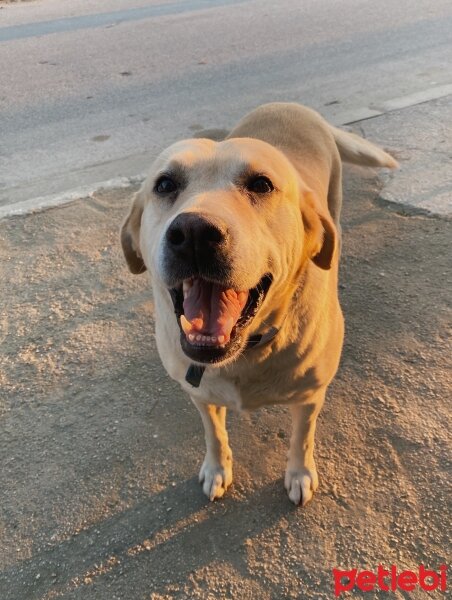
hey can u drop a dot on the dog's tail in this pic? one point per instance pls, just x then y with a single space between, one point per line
358 151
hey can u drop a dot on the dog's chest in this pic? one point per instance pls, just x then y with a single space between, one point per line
245 392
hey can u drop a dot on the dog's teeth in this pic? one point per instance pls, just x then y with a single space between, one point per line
203 338
185 324
198 338
213 339
220 339
208 338
191 337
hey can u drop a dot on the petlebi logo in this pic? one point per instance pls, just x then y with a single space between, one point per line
390 579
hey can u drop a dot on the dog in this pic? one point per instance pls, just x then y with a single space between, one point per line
242 239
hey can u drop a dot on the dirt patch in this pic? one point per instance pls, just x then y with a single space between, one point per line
97 502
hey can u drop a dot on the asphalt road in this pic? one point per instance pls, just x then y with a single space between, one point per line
88 95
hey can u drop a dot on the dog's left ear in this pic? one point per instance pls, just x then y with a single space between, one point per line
130 236
320 232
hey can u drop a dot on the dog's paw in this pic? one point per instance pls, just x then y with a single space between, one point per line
301 484
216 477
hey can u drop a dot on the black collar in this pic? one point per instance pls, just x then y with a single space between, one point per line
195 372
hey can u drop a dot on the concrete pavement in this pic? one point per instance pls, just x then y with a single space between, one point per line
99 449
422 138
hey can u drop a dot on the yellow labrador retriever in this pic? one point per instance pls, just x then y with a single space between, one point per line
242 241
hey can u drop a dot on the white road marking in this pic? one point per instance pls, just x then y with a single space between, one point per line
432 93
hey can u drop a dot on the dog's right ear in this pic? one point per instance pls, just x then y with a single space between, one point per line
130 236
320 232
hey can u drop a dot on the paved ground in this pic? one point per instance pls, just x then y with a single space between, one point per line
91 90
100 450
422 137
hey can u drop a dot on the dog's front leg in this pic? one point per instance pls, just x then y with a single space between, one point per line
301 479
216 470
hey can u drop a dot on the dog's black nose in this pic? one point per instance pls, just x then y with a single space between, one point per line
192 237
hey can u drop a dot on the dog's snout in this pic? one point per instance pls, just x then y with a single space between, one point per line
196 244
191 235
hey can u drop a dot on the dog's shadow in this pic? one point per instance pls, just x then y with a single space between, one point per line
174 530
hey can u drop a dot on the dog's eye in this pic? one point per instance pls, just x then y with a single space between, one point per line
165 185
260 185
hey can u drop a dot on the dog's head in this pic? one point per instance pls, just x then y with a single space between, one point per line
226 228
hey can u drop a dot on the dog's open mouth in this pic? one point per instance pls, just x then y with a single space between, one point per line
211 317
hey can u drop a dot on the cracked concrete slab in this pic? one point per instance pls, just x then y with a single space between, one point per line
421 139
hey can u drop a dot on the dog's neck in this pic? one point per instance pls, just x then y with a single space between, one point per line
195 372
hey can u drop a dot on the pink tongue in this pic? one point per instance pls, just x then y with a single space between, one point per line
212 310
